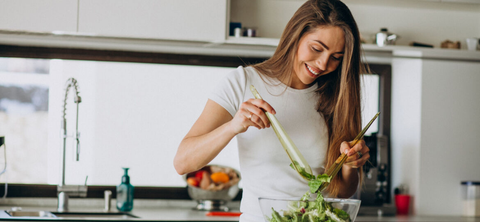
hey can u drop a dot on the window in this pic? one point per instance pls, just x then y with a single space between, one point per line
24 92
133 114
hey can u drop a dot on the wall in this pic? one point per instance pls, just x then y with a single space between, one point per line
422 21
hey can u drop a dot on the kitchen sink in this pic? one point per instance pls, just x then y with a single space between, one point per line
72 215
109 215
29 213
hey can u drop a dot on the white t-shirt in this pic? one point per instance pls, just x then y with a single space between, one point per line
264 164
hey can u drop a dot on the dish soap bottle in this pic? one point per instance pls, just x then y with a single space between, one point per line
125 193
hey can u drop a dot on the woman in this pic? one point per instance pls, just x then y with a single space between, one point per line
312 81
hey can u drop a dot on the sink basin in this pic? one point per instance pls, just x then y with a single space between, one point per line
79 215
29 214
109 215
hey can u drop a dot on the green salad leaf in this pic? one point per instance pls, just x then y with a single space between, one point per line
305 210
302 171
315 183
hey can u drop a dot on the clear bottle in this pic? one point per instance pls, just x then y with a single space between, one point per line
125 193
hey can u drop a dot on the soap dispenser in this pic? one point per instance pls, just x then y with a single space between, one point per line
125 193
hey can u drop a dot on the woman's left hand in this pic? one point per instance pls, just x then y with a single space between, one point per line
357 155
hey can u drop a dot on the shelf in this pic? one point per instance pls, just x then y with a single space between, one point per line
252 41
232 46
391 50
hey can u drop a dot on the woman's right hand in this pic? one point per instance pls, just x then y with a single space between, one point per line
251 113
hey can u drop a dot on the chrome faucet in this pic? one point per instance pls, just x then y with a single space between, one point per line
64 191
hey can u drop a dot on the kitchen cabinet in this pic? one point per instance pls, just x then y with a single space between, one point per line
463 1
38 16
196 20
455 1
435 120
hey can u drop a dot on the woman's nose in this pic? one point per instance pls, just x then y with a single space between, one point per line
322 62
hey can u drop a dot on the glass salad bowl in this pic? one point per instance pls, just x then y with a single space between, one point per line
295 209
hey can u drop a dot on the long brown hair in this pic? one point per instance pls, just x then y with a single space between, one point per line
339 91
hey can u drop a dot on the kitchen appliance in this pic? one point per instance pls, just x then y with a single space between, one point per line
375 191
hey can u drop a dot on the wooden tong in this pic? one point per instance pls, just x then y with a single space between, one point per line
333 170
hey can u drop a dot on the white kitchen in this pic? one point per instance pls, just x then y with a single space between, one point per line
90 87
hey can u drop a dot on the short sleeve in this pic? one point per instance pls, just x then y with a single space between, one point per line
229 92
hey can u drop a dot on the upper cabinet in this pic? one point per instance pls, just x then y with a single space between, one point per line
462 1
455 1
38 16
196 20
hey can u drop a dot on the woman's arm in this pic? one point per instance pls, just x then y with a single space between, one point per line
349 174
214 129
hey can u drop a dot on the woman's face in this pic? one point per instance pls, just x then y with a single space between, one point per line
319 53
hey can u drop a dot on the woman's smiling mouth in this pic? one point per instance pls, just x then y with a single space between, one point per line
312 71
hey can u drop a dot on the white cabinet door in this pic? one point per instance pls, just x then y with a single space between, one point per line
197 20
38 16
463 1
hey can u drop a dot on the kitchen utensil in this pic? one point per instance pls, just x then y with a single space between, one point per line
333 170
223 214
298 161
350 206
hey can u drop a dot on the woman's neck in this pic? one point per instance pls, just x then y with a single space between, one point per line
294 82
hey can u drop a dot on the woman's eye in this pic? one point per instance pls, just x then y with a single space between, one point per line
337 58
315 49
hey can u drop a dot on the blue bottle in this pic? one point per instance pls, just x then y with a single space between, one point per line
125 193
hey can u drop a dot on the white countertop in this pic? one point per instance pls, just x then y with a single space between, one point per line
188 214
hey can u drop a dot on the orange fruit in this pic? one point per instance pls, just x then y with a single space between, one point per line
193 181
220 177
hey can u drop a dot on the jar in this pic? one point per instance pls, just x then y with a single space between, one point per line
381 37
471 198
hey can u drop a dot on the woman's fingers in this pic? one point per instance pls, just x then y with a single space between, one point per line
259 103
257 108
357 163
252 113
357 155
360 146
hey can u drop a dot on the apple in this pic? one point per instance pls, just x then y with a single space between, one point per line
199 174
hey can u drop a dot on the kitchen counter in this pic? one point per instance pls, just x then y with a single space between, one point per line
187 214
144 214
163 210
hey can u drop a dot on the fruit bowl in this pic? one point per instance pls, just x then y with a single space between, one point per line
294 209
215 195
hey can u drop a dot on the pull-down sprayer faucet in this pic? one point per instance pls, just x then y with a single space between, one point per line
64 191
